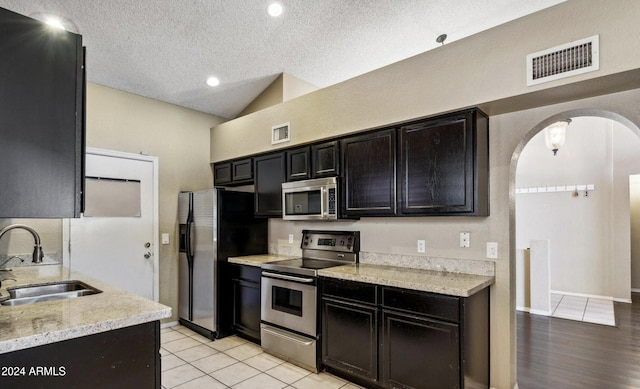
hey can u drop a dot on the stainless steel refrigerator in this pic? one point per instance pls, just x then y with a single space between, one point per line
215 224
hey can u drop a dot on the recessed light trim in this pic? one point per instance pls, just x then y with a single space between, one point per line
213 81
275 9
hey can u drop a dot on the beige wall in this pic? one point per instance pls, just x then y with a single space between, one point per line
179 137
485 70
283 88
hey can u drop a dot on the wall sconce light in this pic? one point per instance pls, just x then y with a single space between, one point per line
555 134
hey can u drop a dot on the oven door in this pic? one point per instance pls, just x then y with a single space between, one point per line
289 302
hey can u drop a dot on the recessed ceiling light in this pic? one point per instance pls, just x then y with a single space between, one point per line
275 9
213 81
55 22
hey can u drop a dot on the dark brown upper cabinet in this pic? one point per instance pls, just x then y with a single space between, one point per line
42 97
369 174
269 174
443 167
299 164
325 159
236 172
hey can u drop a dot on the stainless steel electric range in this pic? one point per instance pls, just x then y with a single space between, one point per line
290 327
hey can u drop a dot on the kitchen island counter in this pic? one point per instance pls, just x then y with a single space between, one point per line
41 323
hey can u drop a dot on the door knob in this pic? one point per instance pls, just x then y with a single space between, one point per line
147 255
147 245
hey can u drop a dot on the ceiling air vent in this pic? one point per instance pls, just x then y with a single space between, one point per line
563 61
280 133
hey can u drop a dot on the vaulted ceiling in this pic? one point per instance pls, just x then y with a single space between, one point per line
166 49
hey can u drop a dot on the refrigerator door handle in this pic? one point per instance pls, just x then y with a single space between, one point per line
190 242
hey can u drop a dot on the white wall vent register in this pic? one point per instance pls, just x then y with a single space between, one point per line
562 61
280 133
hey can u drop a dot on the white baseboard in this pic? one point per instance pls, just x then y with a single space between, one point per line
522 309
540 312
593 296
169 324
635 290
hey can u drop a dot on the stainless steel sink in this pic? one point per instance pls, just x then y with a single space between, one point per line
35 293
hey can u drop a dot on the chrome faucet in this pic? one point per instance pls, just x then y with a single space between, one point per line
38 255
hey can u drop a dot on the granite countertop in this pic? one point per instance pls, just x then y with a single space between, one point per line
454 284
258 260
41 323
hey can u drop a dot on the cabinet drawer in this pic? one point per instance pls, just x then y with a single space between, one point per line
246 273
350 290
434 305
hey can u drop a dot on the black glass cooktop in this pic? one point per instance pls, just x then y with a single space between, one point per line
303 266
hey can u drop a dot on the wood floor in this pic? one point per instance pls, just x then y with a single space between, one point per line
557 353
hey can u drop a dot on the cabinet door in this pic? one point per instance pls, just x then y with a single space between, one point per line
41 119
439 167
127 357
242 171
246 308
222 173
369 174
419 353
269 173
325 159
350 338
298 164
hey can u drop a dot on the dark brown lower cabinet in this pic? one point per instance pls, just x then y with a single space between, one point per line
418 352
246 301
350 341
384 337
125 358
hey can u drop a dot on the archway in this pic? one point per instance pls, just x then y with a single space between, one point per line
635 133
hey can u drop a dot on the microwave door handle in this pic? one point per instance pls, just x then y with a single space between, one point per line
323 203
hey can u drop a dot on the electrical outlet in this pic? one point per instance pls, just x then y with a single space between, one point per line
421 246
492 250
290 238
465 239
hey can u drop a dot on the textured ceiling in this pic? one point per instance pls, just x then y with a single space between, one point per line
166 49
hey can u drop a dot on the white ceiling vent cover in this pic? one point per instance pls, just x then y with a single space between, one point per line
562 61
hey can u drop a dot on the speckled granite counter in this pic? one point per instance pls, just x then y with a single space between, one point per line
257 260
37 324
454 284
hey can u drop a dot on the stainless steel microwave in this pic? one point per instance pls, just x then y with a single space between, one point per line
315 199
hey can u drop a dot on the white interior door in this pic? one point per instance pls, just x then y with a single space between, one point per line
119 248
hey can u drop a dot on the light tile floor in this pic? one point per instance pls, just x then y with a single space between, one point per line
585 309
190 360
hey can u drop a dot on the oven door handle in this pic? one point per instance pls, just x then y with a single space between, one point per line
288 278
273 331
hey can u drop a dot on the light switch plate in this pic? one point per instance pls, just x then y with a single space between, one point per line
165 238
492 250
